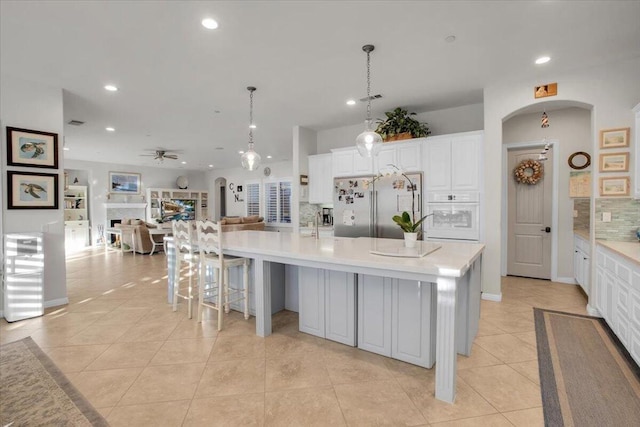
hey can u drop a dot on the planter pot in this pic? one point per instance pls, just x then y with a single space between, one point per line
398 137
410 240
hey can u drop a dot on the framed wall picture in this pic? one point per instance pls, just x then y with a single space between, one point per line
32 148
124 183
614 162
614 138
29 190
614 186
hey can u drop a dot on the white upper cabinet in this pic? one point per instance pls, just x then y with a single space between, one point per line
348 162
636 152
405 155
320 179
452 162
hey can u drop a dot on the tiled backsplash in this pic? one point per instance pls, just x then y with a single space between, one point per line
307 213
582 206
625 219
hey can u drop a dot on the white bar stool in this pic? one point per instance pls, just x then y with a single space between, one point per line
183 238
210 244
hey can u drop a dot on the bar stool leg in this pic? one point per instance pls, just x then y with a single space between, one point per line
201 290
225 284
176 281
220 292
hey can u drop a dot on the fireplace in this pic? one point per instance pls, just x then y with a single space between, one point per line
112 223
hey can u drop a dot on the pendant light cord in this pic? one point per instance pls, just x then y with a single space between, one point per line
368 85
251 115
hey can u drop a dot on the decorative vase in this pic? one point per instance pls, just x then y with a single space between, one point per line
410 240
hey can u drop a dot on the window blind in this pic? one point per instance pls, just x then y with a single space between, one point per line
277 202
253 198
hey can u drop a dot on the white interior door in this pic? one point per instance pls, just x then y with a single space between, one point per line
529 219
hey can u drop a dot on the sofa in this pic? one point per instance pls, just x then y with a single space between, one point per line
253 222
140 234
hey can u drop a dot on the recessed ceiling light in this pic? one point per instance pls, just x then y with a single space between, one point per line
351 102
66 148
110 129
252 126
240 152
209 23
111 88
210 166
450 39
184 163
543 60
269 157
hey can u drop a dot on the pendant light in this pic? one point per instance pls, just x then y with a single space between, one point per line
368 142
250 159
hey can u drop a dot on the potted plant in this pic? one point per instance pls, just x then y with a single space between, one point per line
400 125
410 227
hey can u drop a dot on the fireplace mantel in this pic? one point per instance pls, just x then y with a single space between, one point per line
125 205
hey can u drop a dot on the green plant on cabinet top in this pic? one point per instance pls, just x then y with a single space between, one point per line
400 121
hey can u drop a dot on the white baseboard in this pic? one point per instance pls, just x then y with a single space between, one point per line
56 302
592 311
492 297
567 280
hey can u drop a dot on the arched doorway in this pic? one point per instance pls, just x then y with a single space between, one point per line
570 131
220 198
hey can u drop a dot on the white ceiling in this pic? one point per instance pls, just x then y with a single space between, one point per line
304 57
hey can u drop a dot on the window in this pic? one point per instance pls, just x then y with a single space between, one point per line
277 202
253 198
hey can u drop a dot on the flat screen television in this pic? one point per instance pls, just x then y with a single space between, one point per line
178 209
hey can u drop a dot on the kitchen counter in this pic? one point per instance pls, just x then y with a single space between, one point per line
454 271
629 250
582 233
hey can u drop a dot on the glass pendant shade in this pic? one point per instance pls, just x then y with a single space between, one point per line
250 159
368 142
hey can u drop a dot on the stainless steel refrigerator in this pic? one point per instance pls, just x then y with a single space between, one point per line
364 206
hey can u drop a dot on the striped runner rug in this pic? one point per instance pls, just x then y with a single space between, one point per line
587 378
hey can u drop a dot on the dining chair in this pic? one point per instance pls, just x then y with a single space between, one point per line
184 241
218 293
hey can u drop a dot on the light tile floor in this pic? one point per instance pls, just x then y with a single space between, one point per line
141 364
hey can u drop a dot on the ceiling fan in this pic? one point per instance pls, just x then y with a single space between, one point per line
161 154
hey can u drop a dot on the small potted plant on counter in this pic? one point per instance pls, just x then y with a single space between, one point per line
410 226
400 125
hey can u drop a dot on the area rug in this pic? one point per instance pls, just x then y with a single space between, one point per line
34 392
587 378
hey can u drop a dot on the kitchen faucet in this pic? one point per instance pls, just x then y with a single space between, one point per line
318 218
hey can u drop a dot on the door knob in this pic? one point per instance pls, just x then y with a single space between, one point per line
546 229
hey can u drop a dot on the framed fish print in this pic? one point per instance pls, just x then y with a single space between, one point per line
32 148
29 190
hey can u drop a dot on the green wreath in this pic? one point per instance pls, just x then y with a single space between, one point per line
528 172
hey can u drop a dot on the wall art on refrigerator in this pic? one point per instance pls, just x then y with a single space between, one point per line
28 190
32 148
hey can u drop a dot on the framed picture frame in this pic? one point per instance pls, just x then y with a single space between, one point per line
614 162
30 190
614 138
124 183
614 186
32 148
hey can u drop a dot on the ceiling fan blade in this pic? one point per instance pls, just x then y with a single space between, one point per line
170 156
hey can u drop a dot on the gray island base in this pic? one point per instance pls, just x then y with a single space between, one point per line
422 310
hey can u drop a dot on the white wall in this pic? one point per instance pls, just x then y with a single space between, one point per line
440 122
98 177
612 90
239 176
572 128
35 106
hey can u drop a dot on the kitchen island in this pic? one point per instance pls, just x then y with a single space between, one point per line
452 272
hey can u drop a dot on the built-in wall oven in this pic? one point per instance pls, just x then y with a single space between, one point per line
453 216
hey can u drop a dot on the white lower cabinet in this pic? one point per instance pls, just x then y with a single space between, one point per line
581 262
618 297
327 304
395 319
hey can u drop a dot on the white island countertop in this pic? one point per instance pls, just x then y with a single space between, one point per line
451 260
